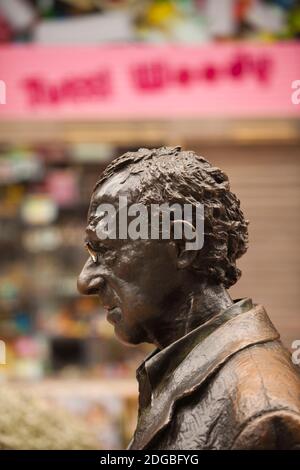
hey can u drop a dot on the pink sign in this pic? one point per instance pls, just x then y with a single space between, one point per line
140 81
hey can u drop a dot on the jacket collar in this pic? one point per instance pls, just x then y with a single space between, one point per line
182 367
169 358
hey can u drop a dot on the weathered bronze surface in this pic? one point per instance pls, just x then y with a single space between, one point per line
219 377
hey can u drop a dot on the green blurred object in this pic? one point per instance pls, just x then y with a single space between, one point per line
294 22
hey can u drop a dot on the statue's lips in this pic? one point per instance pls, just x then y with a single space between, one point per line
114 315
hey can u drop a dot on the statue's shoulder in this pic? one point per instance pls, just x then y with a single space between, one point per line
267 398
265 371
255 396
264 389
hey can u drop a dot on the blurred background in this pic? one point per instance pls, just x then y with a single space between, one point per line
85 81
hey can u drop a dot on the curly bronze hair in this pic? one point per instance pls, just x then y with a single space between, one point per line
169 174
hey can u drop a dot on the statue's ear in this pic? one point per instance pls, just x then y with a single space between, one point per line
185 258
185 255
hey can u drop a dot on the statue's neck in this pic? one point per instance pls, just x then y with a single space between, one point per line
188 312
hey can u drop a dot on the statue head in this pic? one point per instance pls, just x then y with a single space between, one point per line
142 280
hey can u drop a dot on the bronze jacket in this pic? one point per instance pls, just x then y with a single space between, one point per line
228 384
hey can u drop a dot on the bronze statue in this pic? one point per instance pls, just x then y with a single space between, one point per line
219 377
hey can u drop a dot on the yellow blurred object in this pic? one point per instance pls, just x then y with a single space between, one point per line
160 13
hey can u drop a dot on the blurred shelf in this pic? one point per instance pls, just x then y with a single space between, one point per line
92 388
168 132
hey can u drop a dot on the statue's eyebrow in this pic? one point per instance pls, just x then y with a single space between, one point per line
92 222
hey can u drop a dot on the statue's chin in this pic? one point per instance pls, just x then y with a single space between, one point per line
125 338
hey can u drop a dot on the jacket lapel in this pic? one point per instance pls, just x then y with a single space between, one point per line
203 360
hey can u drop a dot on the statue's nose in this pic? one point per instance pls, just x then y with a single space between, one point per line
89 282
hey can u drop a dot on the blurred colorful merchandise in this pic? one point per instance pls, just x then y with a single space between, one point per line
48 328
52 335
102 21
20 165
